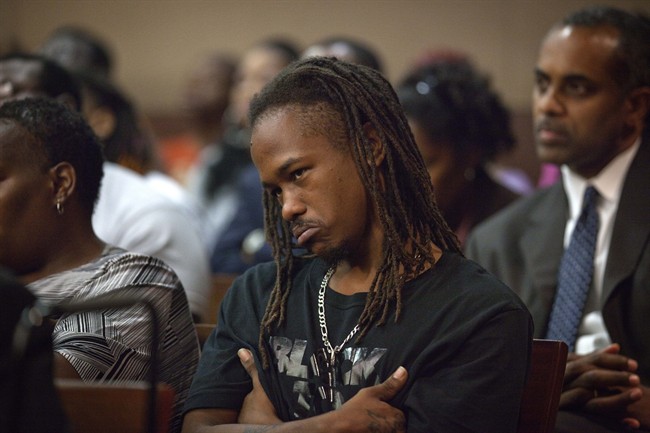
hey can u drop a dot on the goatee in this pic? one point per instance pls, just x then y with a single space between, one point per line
335 255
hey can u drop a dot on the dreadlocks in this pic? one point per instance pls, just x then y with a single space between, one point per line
353 96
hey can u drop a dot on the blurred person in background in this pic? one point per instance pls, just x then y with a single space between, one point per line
225 178
205 99
78 49
130 213
112 116
460 126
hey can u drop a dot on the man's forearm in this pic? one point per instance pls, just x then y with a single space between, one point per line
314 424
330 422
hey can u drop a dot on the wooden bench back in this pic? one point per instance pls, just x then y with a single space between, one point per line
541 397
104 408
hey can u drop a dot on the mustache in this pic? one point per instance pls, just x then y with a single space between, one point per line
298 226
548 124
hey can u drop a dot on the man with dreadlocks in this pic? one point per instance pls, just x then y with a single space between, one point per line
369 308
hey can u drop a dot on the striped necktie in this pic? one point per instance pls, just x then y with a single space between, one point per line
575 274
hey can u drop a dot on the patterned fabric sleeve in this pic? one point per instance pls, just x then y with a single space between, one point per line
114 344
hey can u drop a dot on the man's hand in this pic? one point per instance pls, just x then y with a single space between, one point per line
257 408
368 411
638 413
604 383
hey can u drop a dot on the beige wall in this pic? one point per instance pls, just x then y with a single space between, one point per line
157 41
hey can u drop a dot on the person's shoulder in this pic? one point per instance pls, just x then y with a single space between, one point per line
133 214
137 269
121 185
258 280
473 284
454 267
258 275
168 186
518 213
261 277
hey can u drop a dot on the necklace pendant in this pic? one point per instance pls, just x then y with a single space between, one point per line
331 375
329 357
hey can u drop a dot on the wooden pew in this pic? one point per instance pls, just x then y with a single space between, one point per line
113 408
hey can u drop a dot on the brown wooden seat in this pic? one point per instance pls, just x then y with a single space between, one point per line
539 404
220 285
203 331
107 408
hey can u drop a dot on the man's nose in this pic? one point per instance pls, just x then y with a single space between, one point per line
548 102
292 205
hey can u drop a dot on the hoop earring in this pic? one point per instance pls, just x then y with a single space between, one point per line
59 207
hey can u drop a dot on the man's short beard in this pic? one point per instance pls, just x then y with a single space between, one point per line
335 255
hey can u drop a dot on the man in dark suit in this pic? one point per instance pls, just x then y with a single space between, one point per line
591 103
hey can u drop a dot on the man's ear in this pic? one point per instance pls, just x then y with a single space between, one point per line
638 104
378 150
64 181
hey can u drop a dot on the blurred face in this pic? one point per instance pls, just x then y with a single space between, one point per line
72 54
19 79
445 170
26 201
208 88
255 70
580 113
316 185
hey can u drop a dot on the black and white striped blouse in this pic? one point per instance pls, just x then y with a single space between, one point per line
114 345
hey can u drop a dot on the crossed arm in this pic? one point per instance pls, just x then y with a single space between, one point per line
605 383
368 411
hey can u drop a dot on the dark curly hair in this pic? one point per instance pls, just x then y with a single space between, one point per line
129 144
454 103
78 49
60 134
53 79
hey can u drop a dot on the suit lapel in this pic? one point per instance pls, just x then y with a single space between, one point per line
632 223
542 247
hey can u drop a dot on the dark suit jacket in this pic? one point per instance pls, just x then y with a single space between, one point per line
522 246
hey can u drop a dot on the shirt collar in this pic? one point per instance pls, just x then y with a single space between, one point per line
609 182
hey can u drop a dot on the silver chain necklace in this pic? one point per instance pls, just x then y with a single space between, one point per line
331 351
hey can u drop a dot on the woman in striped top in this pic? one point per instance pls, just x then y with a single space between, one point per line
50 173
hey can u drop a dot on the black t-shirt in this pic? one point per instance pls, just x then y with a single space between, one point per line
463 337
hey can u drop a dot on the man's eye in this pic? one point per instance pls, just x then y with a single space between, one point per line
276 192
577 89
298 173
541 84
